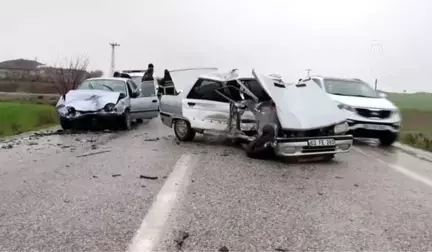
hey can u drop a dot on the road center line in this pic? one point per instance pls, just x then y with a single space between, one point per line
398 168
152 227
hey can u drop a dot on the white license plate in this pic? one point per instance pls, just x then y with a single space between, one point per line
374 127
321 142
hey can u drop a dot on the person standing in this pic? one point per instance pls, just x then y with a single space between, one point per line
148 75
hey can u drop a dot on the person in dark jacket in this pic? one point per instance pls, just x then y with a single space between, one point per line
148 75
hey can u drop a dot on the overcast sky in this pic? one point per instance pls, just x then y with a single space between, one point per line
389 39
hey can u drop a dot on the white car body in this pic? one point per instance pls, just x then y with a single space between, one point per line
83 104
368 117
296 118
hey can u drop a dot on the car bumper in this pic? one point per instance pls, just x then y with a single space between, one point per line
93 119
288 147
372 129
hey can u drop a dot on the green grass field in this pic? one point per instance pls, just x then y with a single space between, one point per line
416 118
16 117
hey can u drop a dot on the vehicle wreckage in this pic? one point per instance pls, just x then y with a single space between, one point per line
113 101
267 115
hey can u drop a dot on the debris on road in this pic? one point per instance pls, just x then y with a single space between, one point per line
356 185
94 147
148 177
151 139
7 146
115 175
320 193
50 133
281 249
338 177
32 143
93 153
225 153
180 238
224 249
94 176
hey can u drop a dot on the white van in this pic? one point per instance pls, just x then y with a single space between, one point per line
370 114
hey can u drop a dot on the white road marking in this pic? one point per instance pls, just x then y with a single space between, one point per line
398 168
152 226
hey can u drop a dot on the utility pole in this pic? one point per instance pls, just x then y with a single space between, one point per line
308 72
113 46
377 49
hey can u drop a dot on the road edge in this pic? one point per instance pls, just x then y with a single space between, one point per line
29 133
421 154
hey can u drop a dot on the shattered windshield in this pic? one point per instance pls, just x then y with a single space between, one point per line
350 88
107 85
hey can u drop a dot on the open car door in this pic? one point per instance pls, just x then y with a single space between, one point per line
146 105
204 107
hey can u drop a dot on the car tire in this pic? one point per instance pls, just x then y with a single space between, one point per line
388 139
65 124
126 121
183 130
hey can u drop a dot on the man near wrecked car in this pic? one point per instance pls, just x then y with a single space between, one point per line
148 75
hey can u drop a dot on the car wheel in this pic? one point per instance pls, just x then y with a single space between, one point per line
126 121
65 124
183 130
388 139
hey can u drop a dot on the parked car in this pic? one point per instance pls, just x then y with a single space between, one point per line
370 114
114 101
266 114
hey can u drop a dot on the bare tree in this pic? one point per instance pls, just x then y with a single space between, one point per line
69 73
95 74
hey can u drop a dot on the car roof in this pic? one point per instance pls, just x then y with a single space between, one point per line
227 76
336 78
109 78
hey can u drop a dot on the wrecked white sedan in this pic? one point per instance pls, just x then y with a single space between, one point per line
268 115
106 101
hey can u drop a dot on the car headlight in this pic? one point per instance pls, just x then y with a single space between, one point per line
346 107
396 113
109 107
71 110
341 128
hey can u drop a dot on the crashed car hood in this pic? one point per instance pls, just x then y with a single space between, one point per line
90 100
301 107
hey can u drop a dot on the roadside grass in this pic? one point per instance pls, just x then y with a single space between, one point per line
18 117
416 109
29 98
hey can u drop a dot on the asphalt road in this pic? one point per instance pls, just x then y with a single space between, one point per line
98 192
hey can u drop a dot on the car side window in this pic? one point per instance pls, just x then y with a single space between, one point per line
147 89
318 82
206 90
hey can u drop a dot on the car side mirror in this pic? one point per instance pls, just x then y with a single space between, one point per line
382 95
122 95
